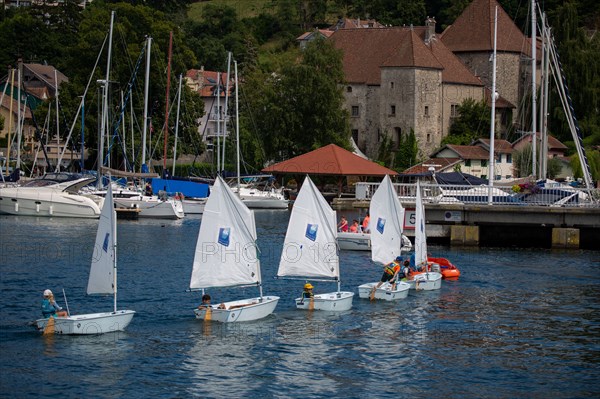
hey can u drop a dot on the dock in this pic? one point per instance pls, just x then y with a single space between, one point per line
128 213
500 225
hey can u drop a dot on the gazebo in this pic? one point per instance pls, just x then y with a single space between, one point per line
330 160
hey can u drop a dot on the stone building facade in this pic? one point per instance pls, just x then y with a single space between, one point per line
403 79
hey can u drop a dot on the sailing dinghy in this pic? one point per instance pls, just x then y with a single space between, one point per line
386 240
102 280
310 249
227 256
428 279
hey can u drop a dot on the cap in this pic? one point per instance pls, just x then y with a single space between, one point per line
48 293
399 258
308 286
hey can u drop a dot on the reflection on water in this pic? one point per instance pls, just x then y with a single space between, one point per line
518 323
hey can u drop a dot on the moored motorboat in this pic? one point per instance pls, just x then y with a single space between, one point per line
53 195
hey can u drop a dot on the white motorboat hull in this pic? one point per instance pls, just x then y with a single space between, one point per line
41 201
354 241
152 207
91 323
193 206
362 242
332 301
384 292
428 281
243 310
265 203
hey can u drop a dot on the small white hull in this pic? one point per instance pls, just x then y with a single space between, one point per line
354 241
193 206
332 301
153 207
91 323
265 203
362 242
426 281
384 292
242 310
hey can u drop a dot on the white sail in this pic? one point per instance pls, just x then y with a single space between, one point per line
103 268
226 253
310 248
420 236
387 217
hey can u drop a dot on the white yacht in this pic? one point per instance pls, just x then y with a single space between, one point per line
53 195
150 206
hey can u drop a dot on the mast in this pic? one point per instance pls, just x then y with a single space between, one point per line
144 167
113 227
10 115
57 118
105 101
533 92
167 101
493 121
545 98
177 123
225 111
19 130
82 130
237 126
218 123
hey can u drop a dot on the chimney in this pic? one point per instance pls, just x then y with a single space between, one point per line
429 29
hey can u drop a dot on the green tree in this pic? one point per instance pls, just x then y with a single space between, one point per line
300 107
522 161
579 53
472 123
593 157
132 25
406 156
554 168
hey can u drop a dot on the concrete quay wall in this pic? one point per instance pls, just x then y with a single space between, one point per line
504 225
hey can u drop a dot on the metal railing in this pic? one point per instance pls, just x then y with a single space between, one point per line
557 195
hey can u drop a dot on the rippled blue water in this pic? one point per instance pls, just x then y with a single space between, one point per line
519 323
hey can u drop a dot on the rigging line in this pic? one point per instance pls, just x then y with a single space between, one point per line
255 131
117 124
572 119
85 93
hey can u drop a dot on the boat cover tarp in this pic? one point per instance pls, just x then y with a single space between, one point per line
187 188
458 178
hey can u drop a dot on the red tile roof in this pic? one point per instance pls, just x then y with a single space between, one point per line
467 151
329 160
454 70
439 164
473 30
366 50
6 103
553 142
46 74
500 146
501 102
207 81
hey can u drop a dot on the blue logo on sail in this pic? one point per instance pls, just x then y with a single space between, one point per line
311 231
380 225
224 236
105 243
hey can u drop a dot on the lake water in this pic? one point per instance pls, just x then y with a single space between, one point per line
518 323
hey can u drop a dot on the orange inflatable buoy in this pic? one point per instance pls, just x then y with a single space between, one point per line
448 270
